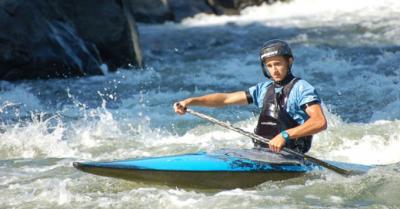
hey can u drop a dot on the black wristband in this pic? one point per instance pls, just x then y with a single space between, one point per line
249 98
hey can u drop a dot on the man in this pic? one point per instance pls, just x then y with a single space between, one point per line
290 107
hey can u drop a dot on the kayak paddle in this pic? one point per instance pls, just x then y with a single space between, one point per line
266 141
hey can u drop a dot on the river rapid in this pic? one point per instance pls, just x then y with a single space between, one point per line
349 52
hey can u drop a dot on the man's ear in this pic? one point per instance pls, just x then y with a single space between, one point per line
290 61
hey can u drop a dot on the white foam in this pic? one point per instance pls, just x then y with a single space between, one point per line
318 13
35 139
316 10
370 143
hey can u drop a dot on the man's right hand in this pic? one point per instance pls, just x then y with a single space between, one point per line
180 107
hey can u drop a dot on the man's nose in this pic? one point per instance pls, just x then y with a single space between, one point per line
274 68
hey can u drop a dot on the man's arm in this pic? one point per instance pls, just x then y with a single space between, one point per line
315 123
212 100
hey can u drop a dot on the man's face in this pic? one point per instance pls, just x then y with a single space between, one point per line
277 67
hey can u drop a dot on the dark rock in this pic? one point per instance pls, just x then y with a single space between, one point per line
109 25
45 38
151 11
36 41
187 8
133 41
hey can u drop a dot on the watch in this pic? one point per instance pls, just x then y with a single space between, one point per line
285 135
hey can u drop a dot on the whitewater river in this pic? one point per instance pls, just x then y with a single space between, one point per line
349 52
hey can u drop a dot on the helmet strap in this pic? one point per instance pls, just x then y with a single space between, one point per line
265 70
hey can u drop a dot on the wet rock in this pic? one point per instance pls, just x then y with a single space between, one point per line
40 43
151 11
56 38
110 26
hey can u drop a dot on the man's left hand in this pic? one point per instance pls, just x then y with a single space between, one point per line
277 143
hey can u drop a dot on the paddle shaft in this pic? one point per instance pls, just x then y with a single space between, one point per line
266 141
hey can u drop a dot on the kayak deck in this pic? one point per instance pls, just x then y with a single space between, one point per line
227 168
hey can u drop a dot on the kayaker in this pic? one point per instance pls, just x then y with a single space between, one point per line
290 107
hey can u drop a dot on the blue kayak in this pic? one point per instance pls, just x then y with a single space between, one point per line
226 168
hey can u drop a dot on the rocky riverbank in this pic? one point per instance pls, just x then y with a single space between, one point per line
56 38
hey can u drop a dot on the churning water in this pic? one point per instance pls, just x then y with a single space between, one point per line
350 51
